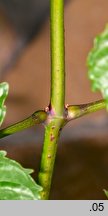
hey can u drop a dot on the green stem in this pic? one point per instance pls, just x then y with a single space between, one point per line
55 118
48 156
35 118
57 56
76 111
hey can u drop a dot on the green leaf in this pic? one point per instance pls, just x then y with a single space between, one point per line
16 182
106 193
13 191
97 63
4 88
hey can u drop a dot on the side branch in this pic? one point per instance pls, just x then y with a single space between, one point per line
36 118
76 111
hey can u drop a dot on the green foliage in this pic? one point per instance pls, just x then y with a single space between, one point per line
106 193
4 88
98 64
16 182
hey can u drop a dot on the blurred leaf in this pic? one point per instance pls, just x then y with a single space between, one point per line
106 193
97 62
16 182
4 88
